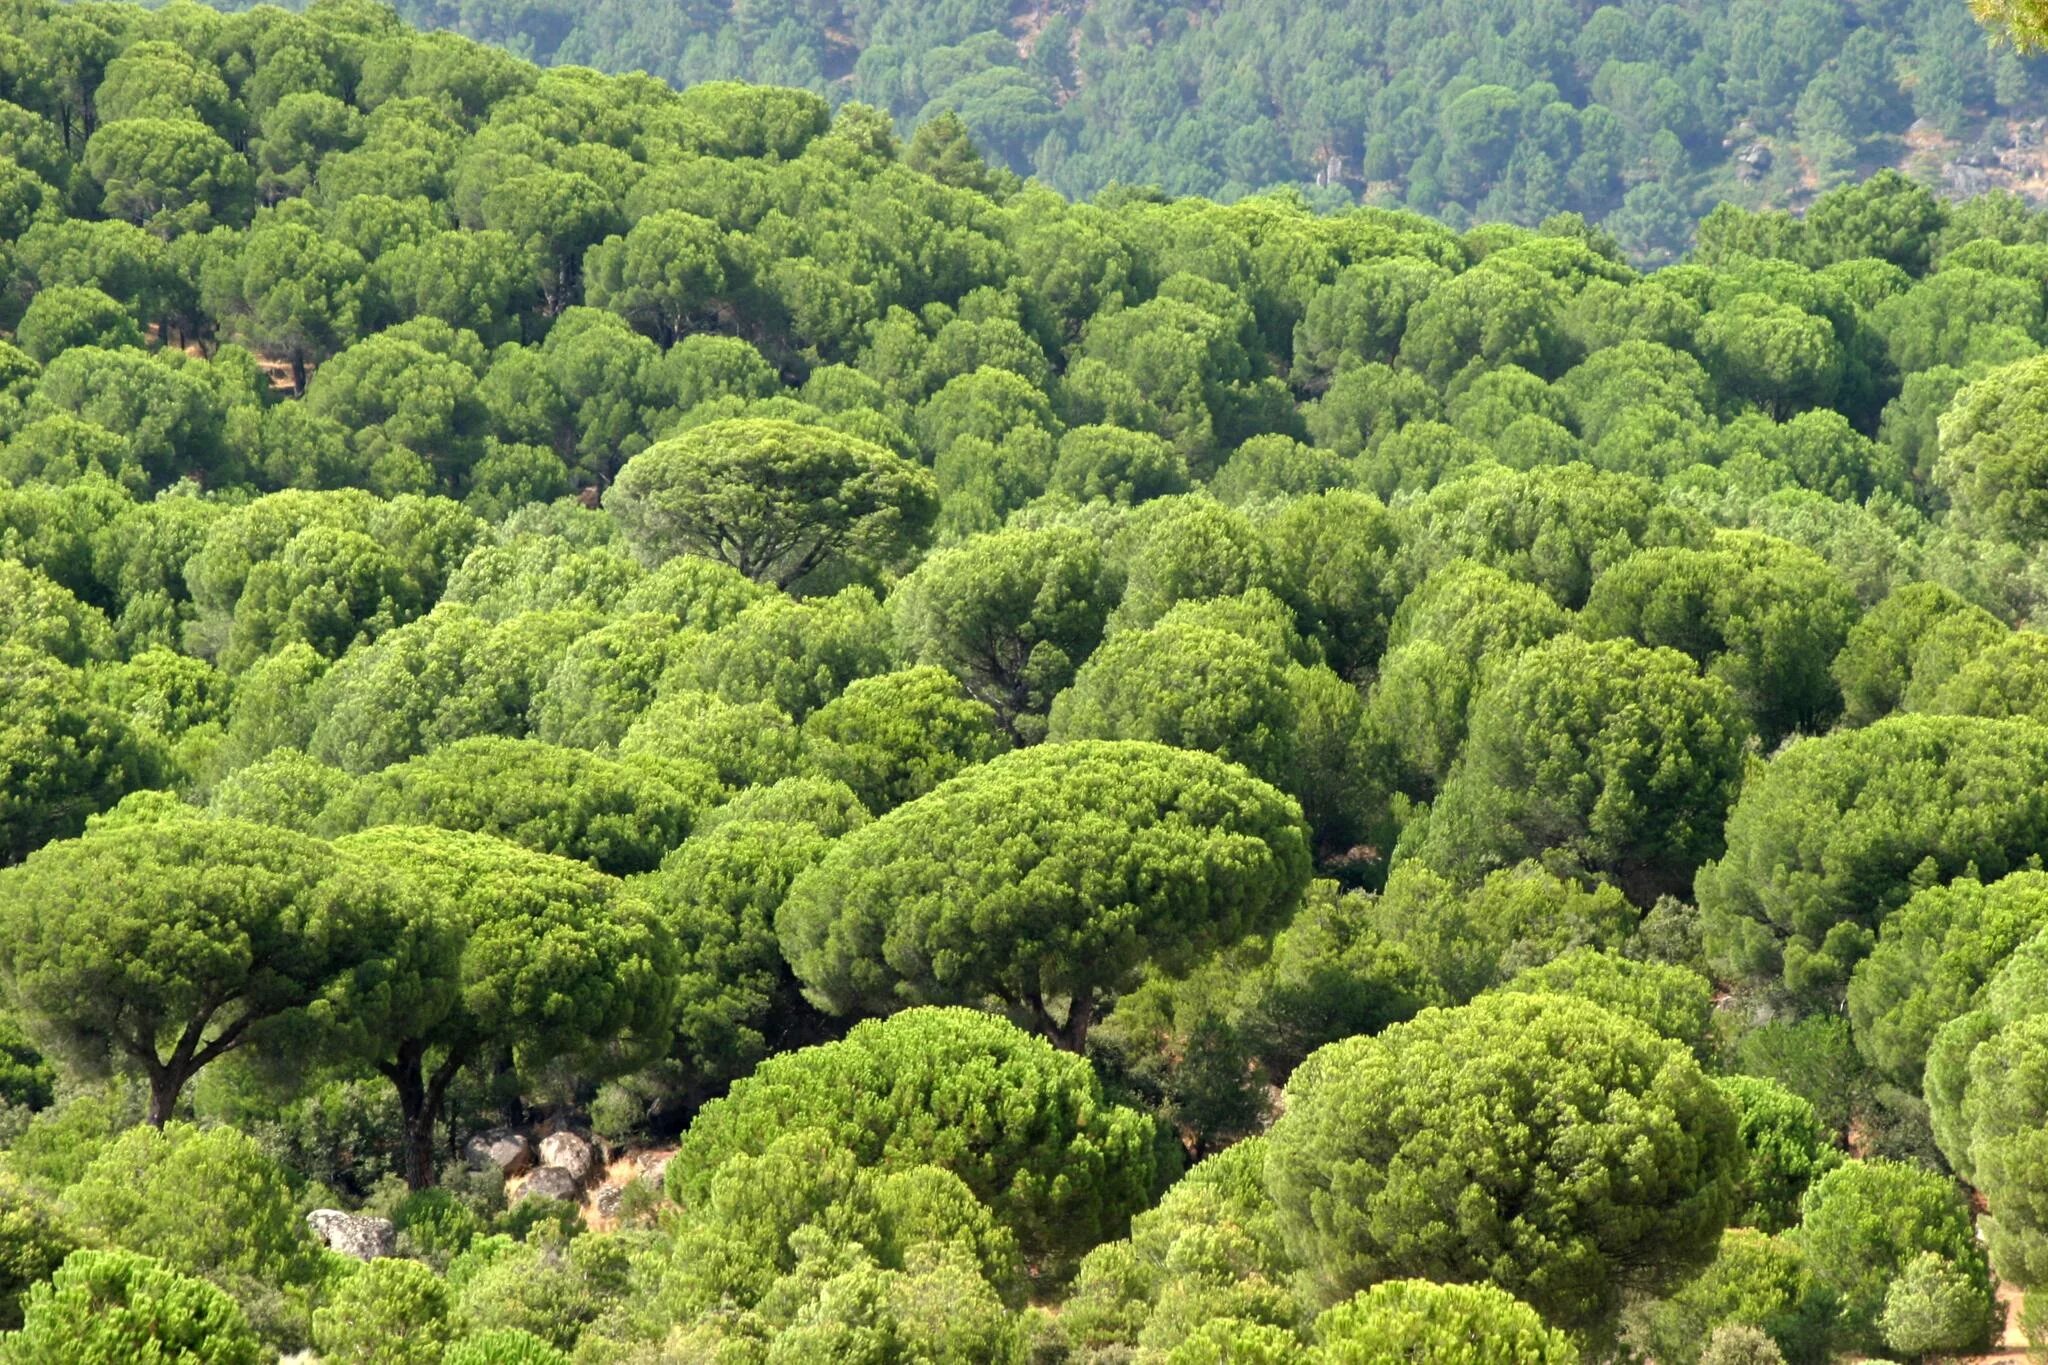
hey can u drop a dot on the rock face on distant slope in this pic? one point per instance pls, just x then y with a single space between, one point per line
552 1182
571 1152
502 1148
353 1234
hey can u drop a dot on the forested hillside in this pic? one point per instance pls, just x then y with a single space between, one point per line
1640 114
659 726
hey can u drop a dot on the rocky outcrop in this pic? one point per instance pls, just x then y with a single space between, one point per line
571 1152
552 1182
353 1234
503 1149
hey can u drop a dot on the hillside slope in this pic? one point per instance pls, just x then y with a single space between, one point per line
1641 114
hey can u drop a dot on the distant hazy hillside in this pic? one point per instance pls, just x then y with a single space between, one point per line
1642 114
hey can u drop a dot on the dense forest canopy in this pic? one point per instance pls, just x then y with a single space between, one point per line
1639 114
646 725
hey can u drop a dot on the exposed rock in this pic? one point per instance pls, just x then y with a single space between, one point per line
569 1151
653 1166
605 1203
552 1182
503 1148
353 1234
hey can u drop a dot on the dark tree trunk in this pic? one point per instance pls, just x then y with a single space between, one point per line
164 1087
1070 1034
420 1099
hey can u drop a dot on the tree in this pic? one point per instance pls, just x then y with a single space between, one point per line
1362 314
1988 465
1837 832
1907 646
1765 617
390 1312
1986 1090
796 656
163 947
1504 313
1445 1148
618 816
1556 528
1418 1320
1468 939
1011 614
292 294
502 1346
895 737
1046 877
1934 955
1674 1002
169 175
666 271
1461 622
507 950
1773 353
555 216
1187 685
66 316
1122 466
103 1307
1756 1304
1789 1148
1625 758
1064 1169
1209 1250
1184 549
777 501
1934 1305
1334 561
203 1201
1866 1221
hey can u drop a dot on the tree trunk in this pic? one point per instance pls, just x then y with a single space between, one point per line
298 374
416 1121
420 1099
164 1086
1073 1036
1070 1035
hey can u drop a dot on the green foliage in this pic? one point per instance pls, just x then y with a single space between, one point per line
1047 877
1866 1222
1469 939
1766 618
1621 757
1835 834
1675 1002
619 816
895 737
157 947
1012 615
33 1244
1523 1087
1934 1306
203 1201
1908 646
1417 1319
64 754
392 1312
777 501
1756 1284
1210 1250
104 1307
1789 1148
504 1346
1934 955
1062 1169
